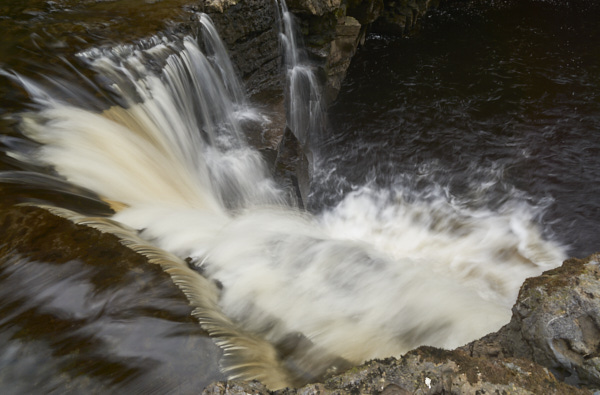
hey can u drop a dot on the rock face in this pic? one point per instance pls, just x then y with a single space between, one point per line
250 31
426 370
400 17
550 346
556 323
332 31
341 51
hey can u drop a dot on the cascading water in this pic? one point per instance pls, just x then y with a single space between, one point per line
305 106
373 277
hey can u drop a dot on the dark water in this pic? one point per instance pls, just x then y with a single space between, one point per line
489 102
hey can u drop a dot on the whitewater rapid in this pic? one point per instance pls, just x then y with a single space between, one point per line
375 276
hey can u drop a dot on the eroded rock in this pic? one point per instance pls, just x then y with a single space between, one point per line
426 370
331 31
556 323
550 346
401 17
315 7
250 31
341 51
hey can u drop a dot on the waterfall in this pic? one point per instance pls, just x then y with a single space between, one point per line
298 295
305 106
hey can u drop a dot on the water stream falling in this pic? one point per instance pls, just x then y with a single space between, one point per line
305 109
289 295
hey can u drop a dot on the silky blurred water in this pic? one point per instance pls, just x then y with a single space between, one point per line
456 163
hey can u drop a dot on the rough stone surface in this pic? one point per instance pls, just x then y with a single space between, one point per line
365 11
342 49
556 323
249 29
550 346
426 370
401 17
331 31
314 7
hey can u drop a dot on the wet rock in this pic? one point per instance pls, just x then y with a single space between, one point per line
250 31
365 11
550 346
331 38
331 30
556 323
292 168
427 370
401 17
341 51
315 7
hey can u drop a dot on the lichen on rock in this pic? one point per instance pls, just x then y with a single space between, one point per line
556 323
550 346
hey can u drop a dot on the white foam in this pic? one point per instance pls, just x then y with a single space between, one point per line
374 277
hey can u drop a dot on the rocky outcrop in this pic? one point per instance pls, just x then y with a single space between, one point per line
250 31
425 370
341 50
331 29
401 17
550 346
556 323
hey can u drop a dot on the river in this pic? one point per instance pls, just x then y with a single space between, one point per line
455 163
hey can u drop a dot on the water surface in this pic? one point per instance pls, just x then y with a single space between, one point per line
489 104
457 163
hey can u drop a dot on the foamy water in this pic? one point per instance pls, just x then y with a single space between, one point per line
375 276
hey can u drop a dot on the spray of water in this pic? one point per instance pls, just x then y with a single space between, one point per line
299 294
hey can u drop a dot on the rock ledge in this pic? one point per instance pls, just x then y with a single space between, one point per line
550 346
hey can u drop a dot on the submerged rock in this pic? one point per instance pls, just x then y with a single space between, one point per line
550 346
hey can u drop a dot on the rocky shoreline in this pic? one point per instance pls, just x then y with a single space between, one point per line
550 346
552 343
